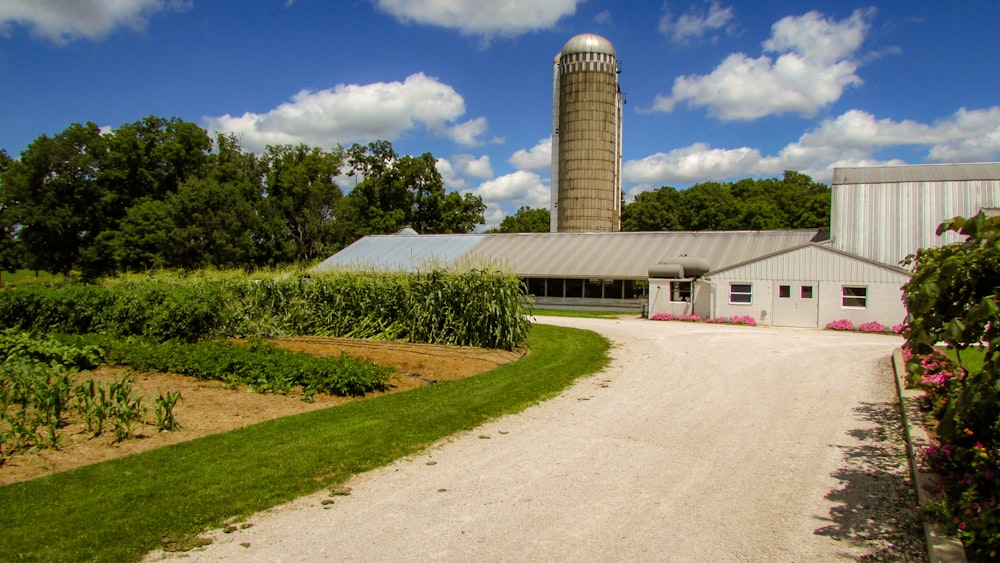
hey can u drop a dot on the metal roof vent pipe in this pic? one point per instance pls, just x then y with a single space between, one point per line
680 267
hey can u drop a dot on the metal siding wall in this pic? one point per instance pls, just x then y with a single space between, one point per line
887 222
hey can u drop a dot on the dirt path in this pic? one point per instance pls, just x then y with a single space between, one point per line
698 443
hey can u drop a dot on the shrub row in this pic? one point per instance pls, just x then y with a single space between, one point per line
260 365
153 309
870 326
476 307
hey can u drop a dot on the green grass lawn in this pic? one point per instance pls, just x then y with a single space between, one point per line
21 277
121 509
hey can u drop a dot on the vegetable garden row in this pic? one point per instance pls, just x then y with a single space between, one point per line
184 326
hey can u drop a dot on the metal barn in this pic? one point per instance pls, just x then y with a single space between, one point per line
889 212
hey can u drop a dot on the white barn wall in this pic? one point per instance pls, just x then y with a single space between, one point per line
825 269
885 304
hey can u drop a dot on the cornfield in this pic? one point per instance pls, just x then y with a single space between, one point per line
477 307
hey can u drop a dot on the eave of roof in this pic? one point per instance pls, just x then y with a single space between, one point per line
917 173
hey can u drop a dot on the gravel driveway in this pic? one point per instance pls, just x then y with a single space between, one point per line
698 443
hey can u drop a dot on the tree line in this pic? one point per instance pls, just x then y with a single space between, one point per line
794 201
160 193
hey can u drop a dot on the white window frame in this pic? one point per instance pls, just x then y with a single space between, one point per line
748 293
844 297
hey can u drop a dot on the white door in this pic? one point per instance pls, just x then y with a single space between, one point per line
796 304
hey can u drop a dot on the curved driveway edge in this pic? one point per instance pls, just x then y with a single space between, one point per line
699 442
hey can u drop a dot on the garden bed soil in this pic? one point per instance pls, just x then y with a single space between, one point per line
208 407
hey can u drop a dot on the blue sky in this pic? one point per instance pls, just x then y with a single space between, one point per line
717 90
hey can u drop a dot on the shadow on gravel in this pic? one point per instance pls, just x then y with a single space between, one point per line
876 502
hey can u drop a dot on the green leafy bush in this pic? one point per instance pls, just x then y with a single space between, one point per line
953 298
261 366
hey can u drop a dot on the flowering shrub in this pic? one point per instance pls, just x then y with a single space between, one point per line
871 326
898 329
747 320
967 458
949 300
842 324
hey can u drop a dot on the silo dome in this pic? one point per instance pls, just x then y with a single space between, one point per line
588 43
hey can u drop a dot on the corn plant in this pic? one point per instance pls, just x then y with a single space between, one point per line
165 403
126 408
92 405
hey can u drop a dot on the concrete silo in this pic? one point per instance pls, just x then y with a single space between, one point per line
586 137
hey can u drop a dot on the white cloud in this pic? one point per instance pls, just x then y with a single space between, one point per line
535 158
697 163
965 136
604 18
467 133
472 166
815 63
854 138
485 18
449 176
355 113
693 26
818 39
968 136
65 21
517 189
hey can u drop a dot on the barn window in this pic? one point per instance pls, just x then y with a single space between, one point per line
854 296
680 291
784 292
741 293
807 292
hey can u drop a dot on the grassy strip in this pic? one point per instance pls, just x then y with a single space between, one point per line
121 509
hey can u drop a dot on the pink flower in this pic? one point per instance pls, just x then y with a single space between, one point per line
872 326
842 324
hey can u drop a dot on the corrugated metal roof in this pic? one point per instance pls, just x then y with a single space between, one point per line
401 252
623 255
917 173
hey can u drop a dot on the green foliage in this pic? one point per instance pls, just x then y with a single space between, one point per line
475 307
157 310
791 202
153 194
526 220
398 191
471 308
261 366
165 403
953 298
36 393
